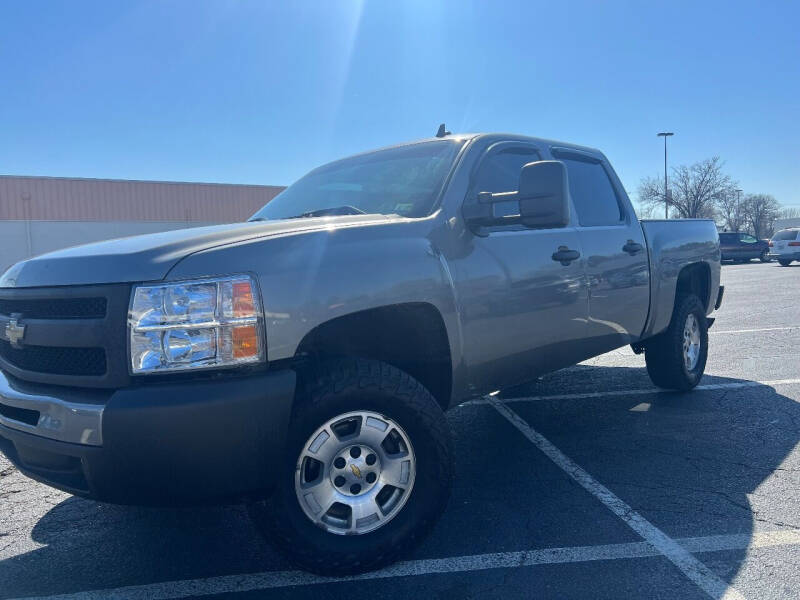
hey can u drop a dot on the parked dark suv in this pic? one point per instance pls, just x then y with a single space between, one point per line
742 247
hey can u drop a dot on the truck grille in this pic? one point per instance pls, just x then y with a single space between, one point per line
72 335
56 361
64 308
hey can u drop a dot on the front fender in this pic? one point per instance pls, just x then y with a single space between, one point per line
310 278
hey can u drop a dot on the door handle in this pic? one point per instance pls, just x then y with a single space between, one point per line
565 256
632 247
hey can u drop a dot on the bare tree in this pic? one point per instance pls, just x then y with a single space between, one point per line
645 211
760 211
699 187
694 190
790 212
730 212
651 196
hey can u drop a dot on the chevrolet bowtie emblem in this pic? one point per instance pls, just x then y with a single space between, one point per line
356 471
15 332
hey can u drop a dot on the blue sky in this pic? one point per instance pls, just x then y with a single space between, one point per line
260 92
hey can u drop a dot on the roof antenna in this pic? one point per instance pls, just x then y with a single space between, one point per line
442 131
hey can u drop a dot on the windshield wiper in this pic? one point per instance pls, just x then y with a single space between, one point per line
334 211
323 212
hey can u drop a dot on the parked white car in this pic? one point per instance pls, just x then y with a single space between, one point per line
785 246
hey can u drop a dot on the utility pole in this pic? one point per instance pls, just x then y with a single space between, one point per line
738 207
665 135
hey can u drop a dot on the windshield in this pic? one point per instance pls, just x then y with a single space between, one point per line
786 234
405 181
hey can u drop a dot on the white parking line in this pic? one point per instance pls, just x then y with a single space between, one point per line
639 392
714 331
695 570
763 539
229 584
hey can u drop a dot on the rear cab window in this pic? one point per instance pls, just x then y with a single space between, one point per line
592 192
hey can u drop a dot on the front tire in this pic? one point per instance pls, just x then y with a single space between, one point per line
367 474
784 263
677 357
764 258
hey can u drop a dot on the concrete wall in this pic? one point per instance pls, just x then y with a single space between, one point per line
23 239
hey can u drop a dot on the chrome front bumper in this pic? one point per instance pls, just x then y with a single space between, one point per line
65 419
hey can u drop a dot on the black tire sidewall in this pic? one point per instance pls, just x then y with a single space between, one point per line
664 353
307 543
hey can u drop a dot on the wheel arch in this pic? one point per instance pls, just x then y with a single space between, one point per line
695 278
411 336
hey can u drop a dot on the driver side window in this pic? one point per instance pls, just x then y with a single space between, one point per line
499 172
748 239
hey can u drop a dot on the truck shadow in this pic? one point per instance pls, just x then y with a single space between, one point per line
689 463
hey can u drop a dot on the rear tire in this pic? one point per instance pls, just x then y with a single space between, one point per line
356 534
677 357
764 258
784 263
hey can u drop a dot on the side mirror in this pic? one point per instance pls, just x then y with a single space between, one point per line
543 195
542 198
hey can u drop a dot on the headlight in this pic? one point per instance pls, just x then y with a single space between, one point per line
195 324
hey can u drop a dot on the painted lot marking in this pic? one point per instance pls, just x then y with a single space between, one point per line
695 570
228 584
713 332
634 392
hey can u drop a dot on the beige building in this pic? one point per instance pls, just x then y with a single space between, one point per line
40 214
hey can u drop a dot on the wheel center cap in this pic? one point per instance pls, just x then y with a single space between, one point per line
355 470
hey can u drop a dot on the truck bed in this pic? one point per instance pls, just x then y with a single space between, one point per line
673 244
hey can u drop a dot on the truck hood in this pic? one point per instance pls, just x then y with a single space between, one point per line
150 257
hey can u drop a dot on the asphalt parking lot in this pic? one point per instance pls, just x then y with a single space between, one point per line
590 483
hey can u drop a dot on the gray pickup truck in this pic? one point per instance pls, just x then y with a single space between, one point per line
303 361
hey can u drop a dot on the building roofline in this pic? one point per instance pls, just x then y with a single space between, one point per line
105 179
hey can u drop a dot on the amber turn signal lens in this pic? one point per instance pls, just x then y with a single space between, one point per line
245 341
243 305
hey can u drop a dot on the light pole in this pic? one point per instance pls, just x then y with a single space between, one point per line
665 135
738 206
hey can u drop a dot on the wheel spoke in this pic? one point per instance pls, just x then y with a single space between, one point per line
364 512
318 501
373 431
396 472
322 447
